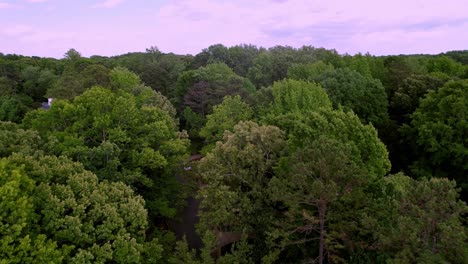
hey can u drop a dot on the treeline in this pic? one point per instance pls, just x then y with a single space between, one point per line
309 156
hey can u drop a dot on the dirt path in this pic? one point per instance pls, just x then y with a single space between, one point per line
188 217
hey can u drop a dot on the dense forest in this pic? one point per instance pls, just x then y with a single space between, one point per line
235 155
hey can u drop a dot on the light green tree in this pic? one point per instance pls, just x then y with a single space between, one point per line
224 117
122 78
119 137
13 139
21 239
297 96
92 220
366 149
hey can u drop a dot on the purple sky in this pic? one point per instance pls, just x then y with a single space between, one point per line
111 27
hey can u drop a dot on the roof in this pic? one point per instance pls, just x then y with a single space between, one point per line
45 106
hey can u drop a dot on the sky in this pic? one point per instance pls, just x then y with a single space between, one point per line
49 28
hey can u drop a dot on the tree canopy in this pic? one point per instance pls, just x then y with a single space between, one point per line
238 154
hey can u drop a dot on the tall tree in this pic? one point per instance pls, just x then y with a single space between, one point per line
91 220
367 150
118 139
440 125
365 96
406 98
237 173
37 81
313 180
428 225
309 72
224 117
297 96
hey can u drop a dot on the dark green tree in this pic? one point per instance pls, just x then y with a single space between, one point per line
406 98
14 139
37 81
440 125
309 72
237 172
428 225
13 108
365 96
313 180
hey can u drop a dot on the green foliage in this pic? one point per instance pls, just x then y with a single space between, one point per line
205 87
445 65
458 55
309 72
162 74
365 96
20 241
103 221
217 53
241 58
122 78
193 122
95 75
72 54
241 253
145 96
224 117
307 179
68 86
309 184
261 73
97 221
273 64
37 81
322 136
407 96
117 139
360 64
428 226
184 255
297 96
366 148
46 169
199 90
398 69
13 108
440 125
215 72
7 86
15 139
237 173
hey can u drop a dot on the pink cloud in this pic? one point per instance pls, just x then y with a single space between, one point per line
36 1
188 26
16 30
192 25
6 5
109 4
